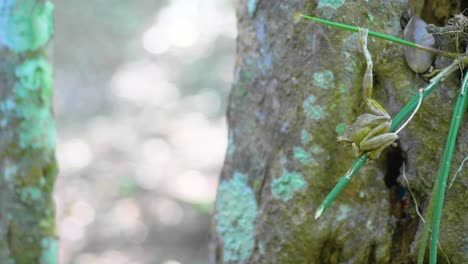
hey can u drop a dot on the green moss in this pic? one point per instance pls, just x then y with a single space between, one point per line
313 111
246 75
343 89
29 25
240 88
48 224
49 251
240 91
324 79
287 185
33 98
236 210
256 185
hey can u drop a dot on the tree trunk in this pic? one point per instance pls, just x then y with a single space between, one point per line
297 85
27 137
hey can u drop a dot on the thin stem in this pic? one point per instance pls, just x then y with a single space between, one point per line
416 206
458 171
444 168
384 36
412 114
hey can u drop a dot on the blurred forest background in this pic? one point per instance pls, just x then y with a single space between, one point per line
140 95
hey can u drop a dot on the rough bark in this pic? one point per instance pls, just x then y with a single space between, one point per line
297 85
27 134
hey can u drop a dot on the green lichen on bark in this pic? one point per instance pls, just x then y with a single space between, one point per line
287 185
324 79
330 3
49 251
312 109
27 138
33 97
236 210
26 25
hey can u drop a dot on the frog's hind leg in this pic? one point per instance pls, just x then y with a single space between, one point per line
375 154
356 150
383 128
377 140
386 139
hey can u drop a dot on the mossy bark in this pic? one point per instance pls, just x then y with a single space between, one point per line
296 86
27 134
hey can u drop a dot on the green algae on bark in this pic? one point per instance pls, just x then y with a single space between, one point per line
33 97
287 185
27 24
236 210
27 139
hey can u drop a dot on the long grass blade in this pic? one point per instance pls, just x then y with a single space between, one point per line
382 36
444 169
427 227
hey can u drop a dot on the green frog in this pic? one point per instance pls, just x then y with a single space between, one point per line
370 132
